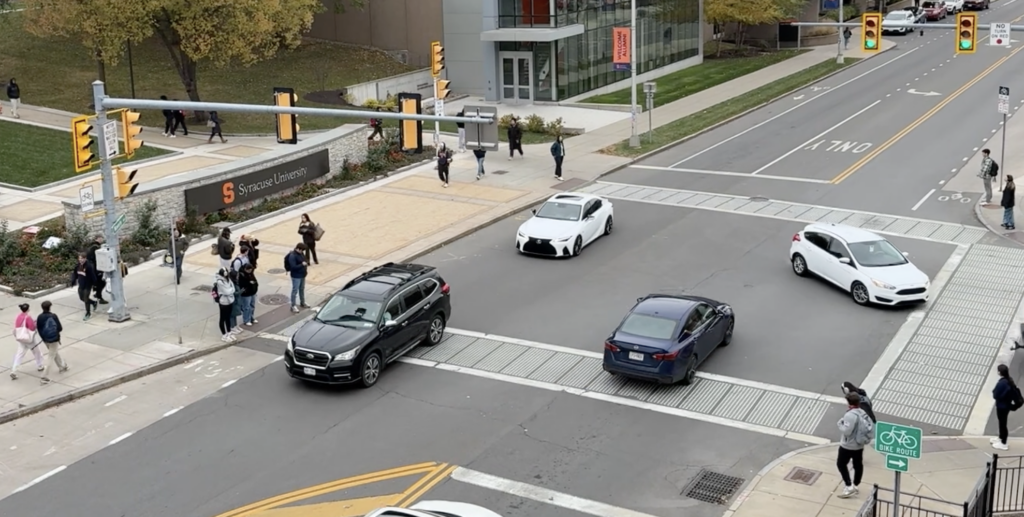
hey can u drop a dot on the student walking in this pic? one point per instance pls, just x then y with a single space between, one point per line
90 256
558 153
295 263
461 126
168 120
989 170
224 248
480 154
308 231
248 287
515 139
1008 202
378 127
25 335
855 432
224 295
179 121
49 327
14 95
214 125
84 276
444 161
176 249
847 34
1008 398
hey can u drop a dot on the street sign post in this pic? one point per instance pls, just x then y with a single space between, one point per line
1004 110
86 199
999 34
896 463
119 222
899 443
650 88
110 137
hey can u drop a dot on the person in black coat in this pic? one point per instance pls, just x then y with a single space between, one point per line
1006 397
90 255
84 276
515 139
168 120
1008 202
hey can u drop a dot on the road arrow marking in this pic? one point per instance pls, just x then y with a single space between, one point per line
798 97
926 94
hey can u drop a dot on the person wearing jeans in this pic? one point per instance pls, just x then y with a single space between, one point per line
1005 396
176 250
24 323
49 328
1008 202
296 265
224 295
249 286
84 276
480 155
558 153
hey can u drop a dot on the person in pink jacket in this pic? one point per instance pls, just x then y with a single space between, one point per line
25 334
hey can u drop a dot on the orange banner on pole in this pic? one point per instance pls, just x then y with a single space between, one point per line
621 51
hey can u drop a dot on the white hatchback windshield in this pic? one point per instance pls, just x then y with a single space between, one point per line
344 311
877 254
560 211
647 326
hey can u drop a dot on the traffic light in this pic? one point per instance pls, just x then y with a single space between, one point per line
442 89
81 139
287 123
125 186
131 131
967 33
436 59
871 30
410 132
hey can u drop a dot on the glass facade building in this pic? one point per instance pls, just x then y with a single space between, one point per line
667 31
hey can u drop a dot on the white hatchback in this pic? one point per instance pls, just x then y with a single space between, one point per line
866 265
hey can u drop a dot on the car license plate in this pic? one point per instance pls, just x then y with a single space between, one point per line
636 356
309 371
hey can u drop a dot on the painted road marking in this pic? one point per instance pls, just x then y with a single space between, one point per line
40 479
725 173
790 110
816 137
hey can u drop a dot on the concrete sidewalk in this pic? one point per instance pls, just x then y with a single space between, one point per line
1011 162
806 482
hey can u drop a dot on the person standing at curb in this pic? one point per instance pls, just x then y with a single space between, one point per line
168 120
84 276
480 154
14 95
224 295
25 335
989 170
224 248
1008 398
214 125
248 288
296 266
90 256
49 331
307 229
462 130
177 250
515 139
558 153
1008 202
856 431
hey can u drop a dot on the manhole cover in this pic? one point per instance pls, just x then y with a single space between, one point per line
498 173
203 288
803 476
759 199
276 271
712 487
274 299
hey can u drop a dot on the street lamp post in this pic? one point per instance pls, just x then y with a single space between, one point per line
634 138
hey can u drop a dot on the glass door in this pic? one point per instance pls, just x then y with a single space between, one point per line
517 77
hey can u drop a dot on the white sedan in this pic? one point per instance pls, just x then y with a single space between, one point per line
954 6
565 224
435 509
869 267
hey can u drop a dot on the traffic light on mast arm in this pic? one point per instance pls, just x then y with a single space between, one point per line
442 89
125 186
871 32
967 33
287 123
131 131
81 140
436 59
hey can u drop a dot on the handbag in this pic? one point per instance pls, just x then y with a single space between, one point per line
23 335
318 232
214 250
210 124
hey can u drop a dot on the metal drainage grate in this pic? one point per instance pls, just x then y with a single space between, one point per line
276 271
712 487
274 299
759 199
206 288
803 476
498 173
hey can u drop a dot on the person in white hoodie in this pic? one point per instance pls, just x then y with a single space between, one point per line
224 295
856 431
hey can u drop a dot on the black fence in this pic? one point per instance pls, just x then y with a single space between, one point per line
880 502
1006 491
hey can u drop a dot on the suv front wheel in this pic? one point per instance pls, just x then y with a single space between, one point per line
370 369
435 333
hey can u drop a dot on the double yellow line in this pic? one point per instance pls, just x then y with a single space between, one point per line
433 472
913 125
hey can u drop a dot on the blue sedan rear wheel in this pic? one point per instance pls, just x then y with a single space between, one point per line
690 374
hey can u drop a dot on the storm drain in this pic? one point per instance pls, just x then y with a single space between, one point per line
803 476
206 288
274 299
276 271
712 487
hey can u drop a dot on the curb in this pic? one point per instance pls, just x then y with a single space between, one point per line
978 216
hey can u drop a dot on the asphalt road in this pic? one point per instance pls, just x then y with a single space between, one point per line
268 434
794 332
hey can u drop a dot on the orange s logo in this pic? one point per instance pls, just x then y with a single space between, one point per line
228 189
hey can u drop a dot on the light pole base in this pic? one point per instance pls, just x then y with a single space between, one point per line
114 317
839 59
634 141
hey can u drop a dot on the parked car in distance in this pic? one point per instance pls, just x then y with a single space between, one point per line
898 22
934 11
954 6
976 5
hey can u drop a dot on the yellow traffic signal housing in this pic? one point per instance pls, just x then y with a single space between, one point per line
442 89
287 123
81 140
131 131
436 59
967 33
125 186
871 32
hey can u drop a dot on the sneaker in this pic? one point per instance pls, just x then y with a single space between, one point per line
304 306
248 324
295 309
172 136
478 176
14 376
232 338
163 134
224 337
40 368
993 440
255 321
559 178
848 492
509 158
63 369
86 318
236 330
445 185
103 302
44 381
1000 446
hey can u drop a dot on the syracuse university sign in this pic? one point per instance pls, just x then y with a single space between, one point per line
243 189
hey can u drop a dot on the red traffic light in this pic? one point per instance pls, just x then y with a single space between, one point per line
966 23
870 23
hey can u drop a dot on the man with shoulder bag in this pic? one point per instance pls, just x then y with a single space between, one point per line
856 431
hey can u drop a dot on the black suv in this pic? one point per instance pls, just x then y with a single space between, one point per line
369 323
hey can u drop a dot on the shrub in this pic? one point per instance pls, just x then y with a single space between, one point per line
147 232
193 223
390 103
534 124
555 127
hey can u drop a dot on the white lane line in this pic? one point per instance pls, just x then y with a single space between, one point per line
173 411
790 110
115 401
598 355
621 401
229 383
906 332
923 199
978 420
278 358
40 479
815 138
119 439
541 495
275 337
726 173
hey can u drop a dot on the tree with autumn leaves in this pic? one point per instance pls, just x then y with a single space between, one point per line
741 14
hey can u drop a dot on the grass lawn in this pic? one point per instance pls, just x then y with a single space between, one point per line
35 156
697 122
689 81
450 127
57 73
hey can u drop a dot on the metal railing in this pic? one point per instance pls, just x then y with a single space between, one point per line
1006 490
979 504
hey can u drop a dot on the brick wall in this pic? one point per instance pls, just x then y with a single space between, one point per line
347 142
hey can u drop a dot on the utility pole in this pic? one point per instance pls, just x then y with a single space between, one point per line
840 29
634 139
119 310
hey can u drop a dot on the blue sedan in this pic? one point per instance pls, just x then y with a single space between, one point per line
665 338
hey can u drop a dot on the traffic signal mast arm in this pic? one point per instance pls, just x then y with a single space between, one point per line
980 26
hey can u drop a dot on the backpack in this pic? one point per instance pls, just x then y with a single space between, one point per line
240 264
864 434
49 332
1016 398
287 264
994 171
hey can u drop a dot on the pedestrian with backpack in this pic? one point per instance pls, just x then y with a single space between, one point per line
25 335
248 286
989 170
49 327
856 431
1008 398
865 402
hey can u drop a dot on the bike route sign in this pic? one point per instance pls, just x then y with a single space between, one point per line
898 440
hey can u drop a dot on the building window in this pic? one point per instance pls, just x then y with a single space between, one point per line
544 69
525 13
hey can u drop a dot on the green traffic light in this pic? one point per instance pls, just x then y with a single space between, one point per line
965 44
869 43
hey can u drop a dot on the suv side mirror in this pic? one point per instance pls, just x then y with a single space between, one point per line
534 211
390 324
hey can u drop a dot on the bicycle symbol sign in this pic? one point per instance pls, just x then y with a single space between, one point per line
898 440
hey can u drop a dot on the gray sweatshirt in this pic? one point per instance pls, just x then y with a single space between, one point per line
226 290
848 429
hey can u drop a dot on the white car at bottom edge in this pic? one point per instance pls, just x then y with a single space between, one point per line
565 224
435 509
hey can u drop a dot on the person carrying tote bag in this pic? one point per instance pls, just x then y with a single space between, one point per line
25 335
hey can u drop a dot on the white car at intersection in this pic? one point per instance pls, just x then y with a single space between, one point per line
565 224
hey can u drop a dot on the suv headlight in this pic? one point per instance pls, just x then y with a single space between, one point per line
520 234
883 285
347 356
291 345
